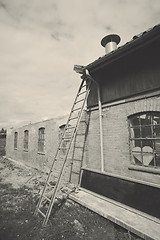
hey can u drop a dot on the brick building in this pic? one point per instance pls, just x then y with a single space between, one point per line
35 144
121 162
122 158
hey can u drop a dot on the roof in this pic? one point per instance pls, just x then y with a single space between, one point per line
138 41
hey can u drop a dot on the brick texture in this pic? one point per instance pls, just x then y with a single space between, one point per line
116 139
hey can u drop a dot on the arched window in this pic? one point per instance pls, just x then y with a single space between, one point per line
145 139
15 140
26 138
41 139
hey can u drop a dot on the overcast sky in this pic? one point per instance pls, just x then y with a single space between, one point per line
41 40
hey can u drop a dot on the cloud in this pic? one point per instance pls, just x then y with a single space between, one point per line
42 40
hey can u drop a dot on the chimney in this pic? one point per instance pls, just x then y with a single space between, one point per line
110 42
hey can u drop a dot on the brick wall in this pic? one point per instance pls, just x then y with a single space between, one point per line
116 139
53 132
32 157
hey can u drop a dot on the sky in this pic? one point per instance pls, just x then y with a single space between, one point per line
41 41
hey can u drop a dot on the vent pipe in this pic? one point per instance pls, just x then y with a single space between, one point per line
110 42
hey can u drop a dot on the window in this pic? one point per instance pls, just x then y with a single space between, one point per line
15 140
67 136
145 139
26 136
41 140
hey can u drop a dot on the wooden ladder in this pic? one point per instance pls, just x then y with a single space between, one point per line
68 135
78 152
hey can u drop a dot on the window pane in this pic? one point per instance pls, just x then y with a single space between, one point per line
134 121
137 155
157 145
156 118
142 119
147 143
41 140
158 159
135 132
148 156
148 119
146 132
156 131
15 139
26 133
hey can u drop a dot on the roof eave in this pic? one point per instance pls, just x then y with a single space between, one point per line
139 42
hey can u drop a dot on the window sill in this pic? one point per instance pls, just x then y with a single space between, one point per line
144 169
15 148
25 150
41 153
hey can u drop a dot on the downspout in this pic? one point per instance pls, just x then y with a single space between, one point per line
100 119
85 74
100 127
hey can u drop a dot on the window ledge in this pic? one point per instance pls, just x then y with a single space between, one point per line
15 148
41 153
144 169
25 150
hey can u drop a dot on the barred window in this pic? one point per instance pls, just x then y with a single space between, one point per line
26 137
145 139
41 139
15 140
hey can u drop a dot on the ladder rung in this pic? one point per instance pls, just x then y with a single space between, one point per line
73 118
65 138
41 213
63 148
69 128
84 86
82 93
79 100
49 200
76 109
84 121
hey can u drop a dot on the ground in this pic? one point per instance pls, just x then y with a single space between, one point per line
19 192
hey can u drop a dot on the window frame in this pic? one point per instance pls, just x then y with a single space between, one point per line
15 140
137 161
26 140
41 140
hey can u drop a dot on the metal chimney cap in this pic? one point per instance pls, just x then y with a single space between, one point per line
110 38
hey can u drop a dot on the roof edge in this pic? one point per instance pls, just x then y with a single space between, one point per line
138 42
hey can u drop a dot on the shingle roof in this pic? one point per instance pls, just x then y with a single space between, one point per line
138 41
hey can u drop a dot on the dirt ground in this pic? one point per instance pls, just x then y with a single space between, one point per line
19 192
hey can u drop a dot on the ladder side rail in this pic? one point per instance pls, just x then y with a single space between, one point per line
84 143
73 154
72 108
72 157
64 163
57 151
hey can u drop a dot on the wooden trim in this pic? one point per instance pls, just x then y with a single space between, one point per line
150 217
123 177
144 169
130 99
